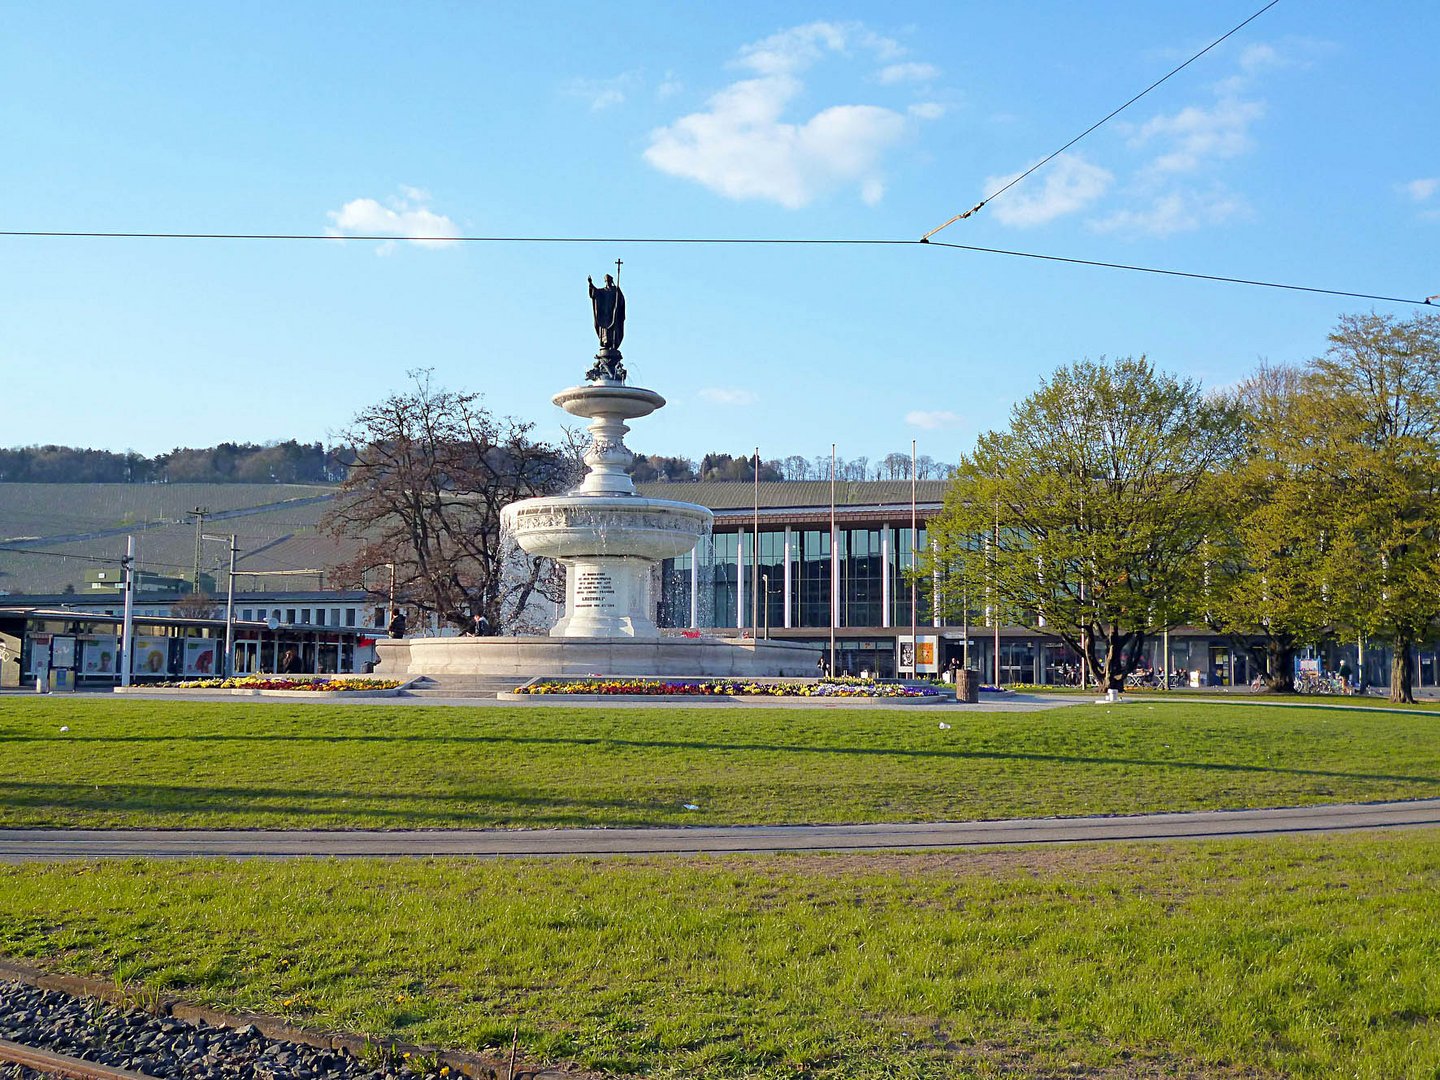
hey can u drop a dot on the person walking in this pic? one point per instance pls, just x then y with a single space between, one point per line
396 629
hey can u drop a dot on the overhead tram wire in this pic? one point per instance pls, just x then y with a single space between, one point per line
1176 273
757 241
61 234
1110 116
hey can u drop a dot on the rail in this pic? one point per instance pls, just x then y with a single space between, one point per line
61 1065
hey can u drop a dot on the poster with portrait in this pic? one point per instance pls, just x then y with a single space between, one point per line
150 656
97 654
200 656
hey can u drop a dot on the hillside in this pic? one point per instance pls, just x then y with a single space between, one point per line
84 526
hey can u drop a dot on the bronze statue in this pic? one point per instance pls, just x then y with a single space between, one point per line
608 305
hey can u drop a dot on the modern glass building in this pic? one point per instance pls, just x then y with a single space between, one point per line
804 577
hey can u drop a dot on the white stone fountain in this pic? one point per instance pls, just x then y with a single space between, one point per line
608 538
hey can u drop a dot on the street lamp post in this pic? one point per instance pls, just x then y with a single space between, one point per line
229 666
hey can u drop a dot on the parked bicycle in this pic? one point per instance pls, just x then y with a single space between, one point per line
1320 684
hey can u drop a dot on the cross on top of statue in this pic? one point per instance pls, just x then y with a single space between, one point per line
607 304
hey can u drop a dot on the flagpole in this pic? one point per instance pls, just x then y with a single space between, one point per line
834 563
755 559
914 582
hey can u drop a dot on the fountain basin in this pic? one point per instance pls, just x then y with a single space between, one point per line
573 526
608 545
610 400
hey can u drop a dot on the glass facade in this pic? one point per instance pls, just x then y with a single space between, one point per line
901 562
872 562
811 570
675 591
862 577
724 583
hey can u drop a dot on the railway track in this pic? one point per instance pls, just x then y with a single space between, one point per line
50 1064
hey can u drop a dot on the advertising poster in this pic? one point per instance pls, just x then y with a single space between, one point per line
39 653
918 655
151 656
97 654
62 651
200 656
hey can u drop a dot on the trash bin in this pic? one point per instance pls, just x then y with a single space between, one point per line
967 686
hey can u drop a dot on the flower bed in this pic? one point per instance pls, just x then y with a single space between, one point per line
268 682
835 688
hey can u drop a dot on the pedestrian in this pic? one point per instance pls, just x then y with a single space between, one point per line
289 662
396 629
1345 672
481 626
822 667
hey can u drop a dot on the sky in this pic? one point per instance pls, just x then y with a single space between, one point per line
1304 150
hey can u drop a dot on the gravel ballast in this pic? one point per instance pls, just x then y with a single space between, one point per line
158 1046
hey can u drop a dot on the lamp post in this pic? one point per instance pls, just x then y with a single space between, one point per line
228 669
200 513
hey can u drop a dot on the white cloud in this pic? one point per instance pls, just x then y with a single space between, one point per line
602 94
1260 56
932 419
743 146
406 216
793 50
911 71
1173 212
927 110
728 396
1421 190
1067 184
1197 135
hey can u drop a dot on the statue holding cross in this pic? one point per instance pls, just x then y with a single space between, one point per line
607 303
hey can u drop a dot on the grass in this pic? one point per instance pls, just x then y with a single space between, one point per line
135 763
1309 957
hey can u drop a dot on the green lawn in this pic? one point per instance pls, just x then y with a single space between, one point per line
288 764
1311 957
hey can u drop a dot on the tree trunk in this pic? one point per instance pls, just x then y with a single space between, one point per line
1402 672
1116 665
1279 667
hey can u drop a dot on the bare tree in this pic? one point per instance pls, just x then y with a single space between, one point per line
796 467
894 467
432 470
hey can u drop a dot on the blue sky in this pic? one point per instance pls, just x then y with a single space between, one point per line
1305 150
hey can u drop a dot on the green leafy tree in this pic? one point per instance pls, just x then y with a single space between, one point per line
1087 516
1266 584
1367 438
